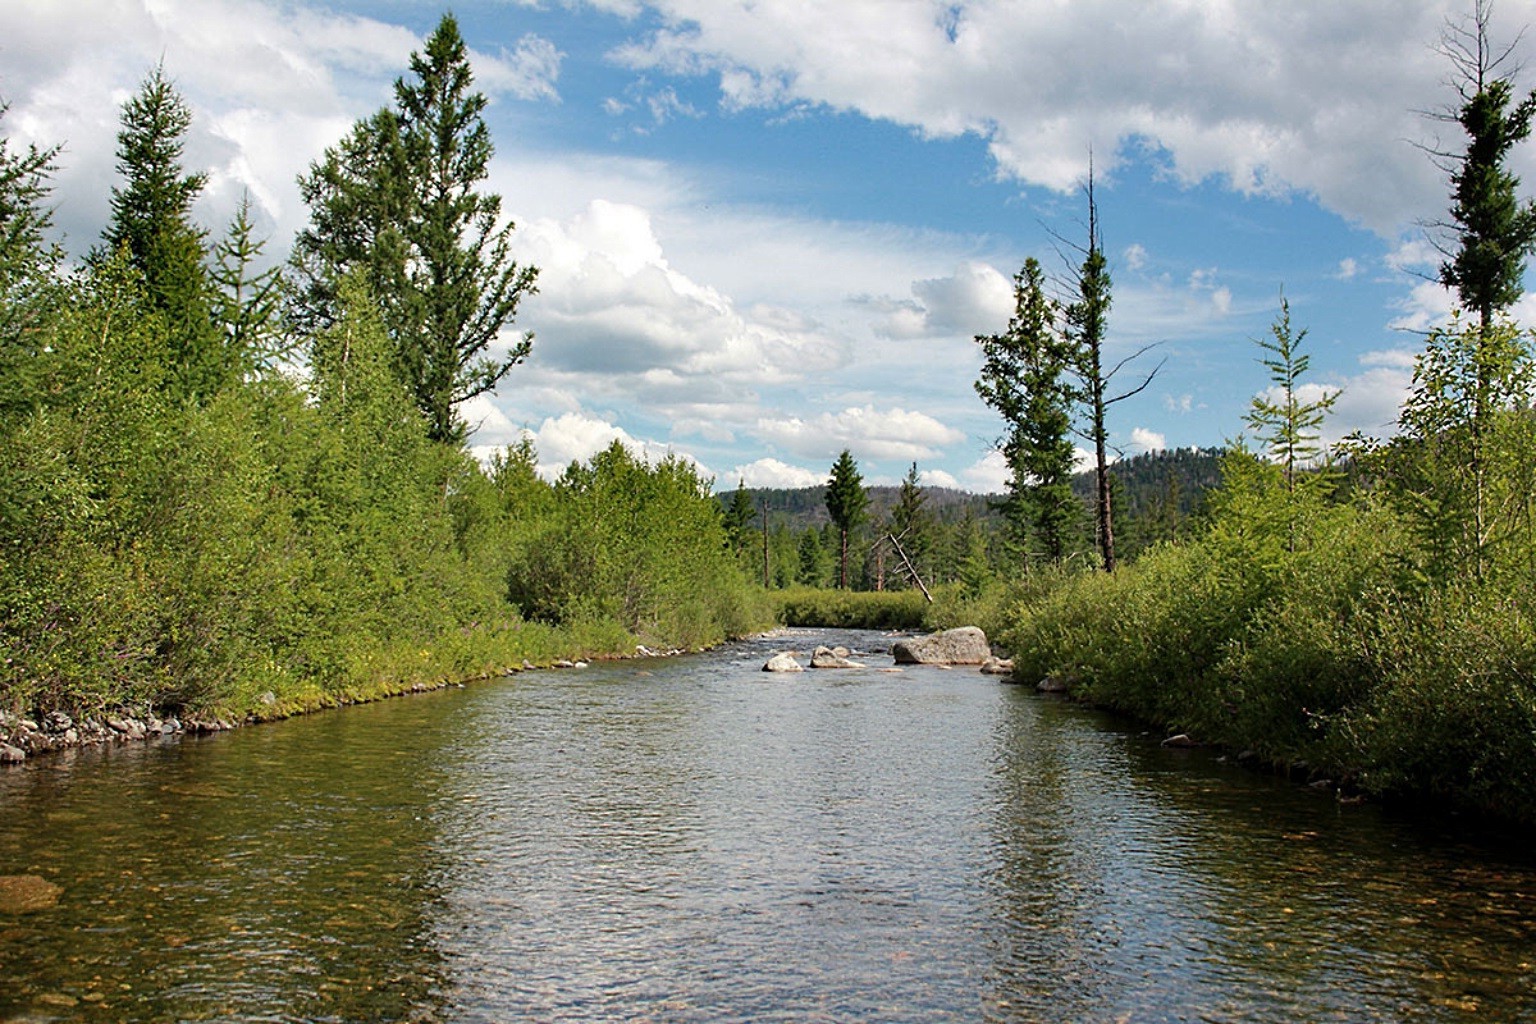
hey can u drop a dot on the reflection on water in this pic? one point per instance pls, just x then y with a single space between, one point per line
694 840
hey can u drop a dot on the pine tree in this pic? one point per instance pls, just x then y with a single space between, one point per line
1087 327
1287 424
152 223
738 517
847 502
27 264
1024 378
399 200
247 301
1492 230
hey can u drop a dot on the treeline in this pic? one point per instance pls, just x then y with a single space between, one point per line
228 489
952 536
1374 629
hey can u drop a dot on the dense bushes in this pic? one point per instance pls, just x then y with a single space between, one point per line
289 544
852 609
1339 652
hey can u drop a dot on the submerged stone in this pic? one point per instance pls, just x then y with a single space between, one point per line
26 894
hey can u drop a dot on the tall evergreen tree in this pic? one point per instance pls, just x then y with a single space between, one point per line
25 252
27 262
152 223
1491 229
1024 378
738 517
248 301
399 199
1088 320
847 502
1287 423
1087 326
1490 234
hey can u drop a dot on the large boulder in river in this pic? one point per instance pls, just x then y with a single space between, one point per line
965 645
833 657
783 662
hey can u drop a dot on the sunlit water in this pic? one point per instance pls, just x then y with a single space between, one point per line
695 840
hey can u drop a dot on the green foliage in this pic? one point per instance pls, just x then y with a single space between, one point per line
27 260
849 609
847 504
738 518
1287 424
397 202
1462 466
248 302
1024 378
641 545
1493 230
151 224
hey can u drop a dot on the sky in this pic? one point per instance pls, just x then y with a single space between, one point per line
769 230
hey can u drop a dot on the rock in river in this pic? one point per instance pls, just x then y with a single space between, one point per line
965 645
23 894
783 662
833 657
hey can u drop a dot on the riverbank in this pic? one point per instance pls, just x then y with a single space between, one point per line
1330 662
24 737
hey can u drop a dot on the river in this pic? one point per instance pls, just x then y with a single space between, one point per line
691 840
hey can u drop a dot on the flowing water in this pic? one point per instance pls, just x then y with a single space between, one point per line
694 840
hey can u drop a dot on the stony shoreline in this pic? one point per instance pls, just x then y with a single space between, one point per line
23 738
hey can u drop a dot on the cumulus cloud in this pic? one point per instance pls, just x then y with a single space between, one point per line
868 432
610 303
988 475
771 472
1144 440
975 299
1270 101
576 437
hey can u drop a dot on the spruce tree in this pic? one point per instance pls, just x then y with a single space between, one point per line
1492 229
152 225
1087 326
847 502
27 263
248 301
1289 425
1024 378
399 200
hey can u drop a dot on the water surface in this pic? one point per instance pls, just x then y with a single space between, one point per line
695 840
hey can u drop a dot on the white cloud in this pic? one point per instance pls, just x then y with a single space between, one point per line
1273 100
1136 256
576 437
1144 440
528 72
610 303
895 434
1428 305
773 473
975 299
987 476
1348 269
938 478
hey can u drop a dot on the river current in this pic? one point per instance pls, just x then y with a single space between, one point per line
692 840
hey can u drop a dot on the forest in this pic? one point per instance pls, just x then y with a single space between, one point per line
234 487
230 492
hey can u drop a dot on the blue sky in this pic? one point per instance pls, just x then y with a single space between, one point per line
769 230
